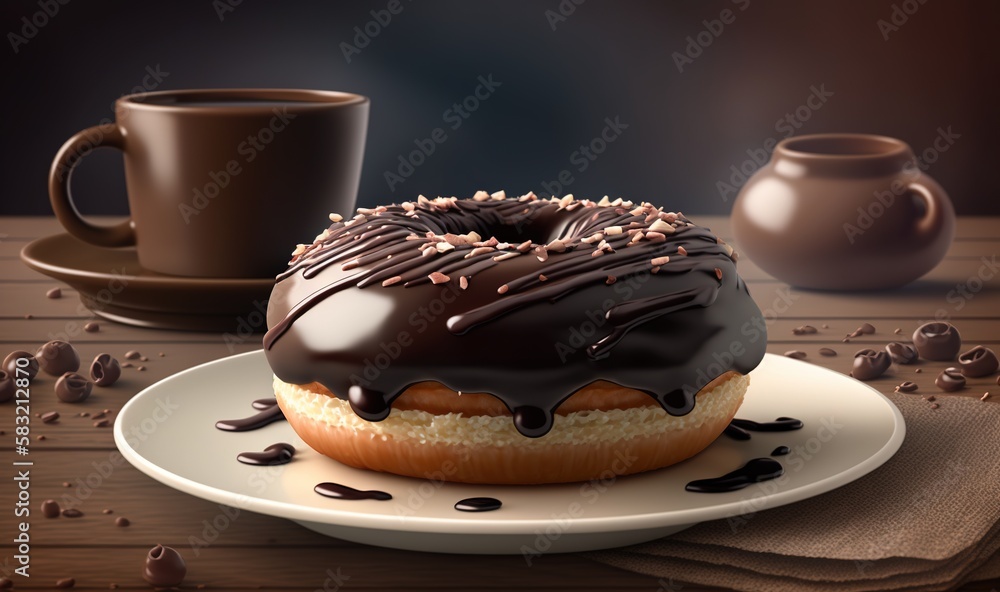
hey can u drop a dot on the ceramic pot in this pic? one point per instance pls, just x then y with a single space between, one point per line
843 212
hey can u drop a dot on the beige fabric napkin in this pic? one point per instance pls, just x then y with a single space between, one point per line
926 520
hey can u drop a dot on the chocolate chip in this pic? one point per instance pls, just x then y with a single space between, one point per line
978 362
105 370
107 511
57 358
72 513
825 351
897 331
867 329
825 326
937 341
50 508
140 368
126 364
901 353
50 417
804 330
122 521
162 355
54 293
10 364
98 415
102 424
164 567
906 387
917 371
930 398
985 396
65 583
73 388
7 387
950 379
92 327
132 355
795 354
143 359
870 364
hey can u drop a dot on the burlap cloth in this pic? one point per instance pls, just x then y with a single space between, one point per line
928 519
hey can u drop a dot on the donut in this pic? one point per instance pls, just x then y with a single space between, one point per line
512 339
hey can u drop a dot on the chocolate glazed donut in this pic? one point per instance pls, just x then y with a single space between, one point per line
524 298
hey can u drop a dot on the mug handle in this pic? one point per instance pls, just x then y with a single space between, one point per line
70 155
933 222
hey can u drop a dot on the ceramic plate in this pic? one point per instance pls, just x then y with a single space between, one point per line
168 432
113 285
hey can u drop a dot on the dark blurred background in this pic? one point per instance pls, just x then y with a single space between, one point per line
901 68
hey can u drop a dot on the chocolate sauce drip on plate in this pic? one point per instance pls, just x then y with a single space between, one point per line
275 454
478 504
254 422
265 403
755 471
338 491
780 451
736 433
781 424
526 299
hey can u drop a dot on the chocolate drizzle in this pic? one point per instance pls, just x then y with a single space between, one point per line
338 491
780 451
781 424
254 422
755 471
588 291
275 454
478 504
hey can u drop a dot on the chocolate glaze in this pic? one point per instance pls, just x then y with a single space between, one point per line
755 471
254 422
478 504
373 322
780 451
781 424
265 403
275 454
338 491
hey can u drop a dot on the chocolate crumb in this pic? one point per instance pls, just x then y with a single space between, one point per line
463 282
542 277
718 273
825 326
67 484
102 424
41 437
107 511
804 330
127 365
50 417
54 293
825 351
437 277
930 398
92 327
985 396
132 355
72 513
503 289
917 371
50 508
141 368
65 583
906 387
795 354
162 355
867 329
143 359
29 316
935 406
122 522
611 279
98 415
898 331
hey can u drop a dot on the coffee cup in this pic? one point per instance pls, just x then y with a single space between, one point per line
222 182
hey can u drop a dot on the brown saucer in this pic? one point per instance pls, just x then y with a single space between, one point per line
113 285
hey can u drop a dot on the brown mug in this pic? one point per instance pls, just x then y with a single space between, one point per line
843 212
222 182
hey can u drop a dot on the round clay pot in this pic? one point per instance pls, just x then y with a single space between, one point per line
843 212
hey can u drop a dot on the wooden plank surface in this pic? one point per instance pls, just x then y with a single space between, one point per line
261 551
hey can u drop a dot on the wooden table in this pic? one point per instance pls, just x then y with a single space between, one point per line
261 551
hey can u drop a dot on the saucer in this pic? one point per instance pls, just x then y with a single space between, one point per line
115 286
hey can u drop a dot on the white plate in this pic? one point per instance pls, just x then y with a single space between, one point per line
167 431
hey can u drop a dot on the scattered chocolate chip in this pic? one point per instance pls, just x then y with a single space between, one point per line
126 364
610 280
985 396
906 386
10 364
825 326
54 293
41 437
50 416
29 316
804 330
978 362
67 484
143 359
937 341
132 355
65 583
867 329
162 355
935 406
98 415
122 521
930 398
102 424
795 354
140 368
897 331
73 388
164 567
72 513
92 327
917 371
7 387
718 273
825 351
870 364
901 353
57 358
105 370
950 379
107 511
50 508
